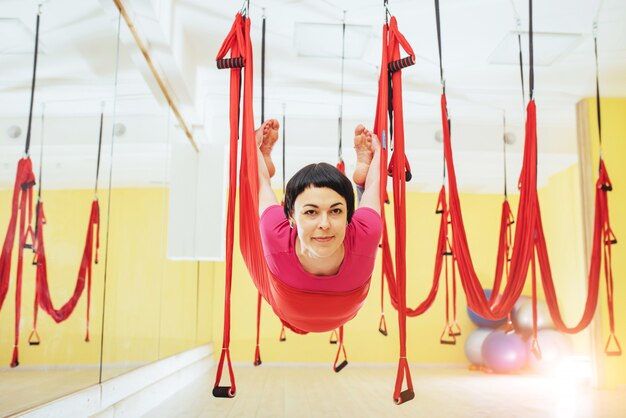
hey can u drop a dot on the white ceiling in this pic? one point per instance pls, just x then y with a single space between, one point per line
77 72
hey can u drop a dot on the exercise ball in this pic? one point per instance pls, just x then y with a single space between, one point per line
520 301
523 318
554 346
483 322
504 353
474 345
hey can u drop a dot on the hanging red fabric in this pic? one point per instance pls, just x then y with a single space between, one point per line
21 210
42 296
392 40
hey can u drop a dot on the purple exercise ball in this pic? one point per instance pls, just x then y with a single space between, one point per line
504 353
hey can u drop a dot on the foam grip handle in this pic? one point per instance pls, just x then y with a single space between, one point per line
408 176
258 362
237 62
394 66
405 396
33 343
607 187
223 392
382 331
341 366
448 342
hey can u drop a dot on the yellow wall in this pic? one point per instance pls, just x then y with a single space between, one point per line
481 215
154 307
613 151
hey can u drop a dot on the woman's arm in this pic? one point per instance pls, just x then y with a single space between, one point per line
371 194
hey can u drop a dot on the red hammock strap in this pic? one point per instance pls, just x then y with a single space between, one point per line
447 336
225 391
455 328
235 43
401 396
536 350
341 349
257 351
334 337
283 335
400 174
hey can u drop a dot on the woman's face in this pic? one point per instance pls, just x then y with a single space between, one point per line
321 215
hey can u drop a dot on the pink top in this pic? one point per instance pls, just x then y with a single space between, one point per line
360 245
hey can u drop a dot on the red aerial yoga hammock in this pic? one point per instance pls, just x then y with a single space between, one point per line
21 210
300 311
42 295
528 241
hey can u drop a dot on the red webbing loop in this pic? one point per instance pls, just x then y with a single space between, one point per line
341 349
257 351
235 43
283 336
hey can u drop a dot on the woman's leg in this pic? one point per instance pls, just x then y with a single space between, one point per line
266 137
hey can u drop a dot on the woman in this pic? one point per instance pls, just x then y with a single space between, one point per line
320 251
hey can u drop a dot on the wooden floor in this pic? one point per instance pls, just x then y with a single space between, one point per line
366 391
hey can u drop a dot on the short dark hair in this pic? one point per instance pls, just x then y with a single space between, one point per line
319 175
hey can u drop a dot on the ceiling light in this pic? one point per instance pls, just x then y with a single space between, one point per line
548 47
324 40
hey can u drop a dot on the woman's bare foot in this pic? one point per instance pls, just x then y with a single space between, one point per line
266 137
364 153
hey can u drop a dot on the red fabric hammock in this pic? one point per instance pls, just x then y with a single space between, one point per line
21 208
42 296
399 170
300 311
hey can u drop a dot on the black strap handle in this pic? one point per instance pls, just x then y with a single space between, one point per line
224 63
405 396
223 392
341 366
394 66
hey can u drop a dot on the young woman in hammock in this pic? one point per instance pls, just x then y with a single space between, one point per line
319 249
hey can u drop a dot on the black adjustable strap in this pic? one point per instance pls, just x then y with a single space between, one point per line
99 151
531 85
263 69
32 87
595 48
521 65
443 83
504 152
284 145
343 59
